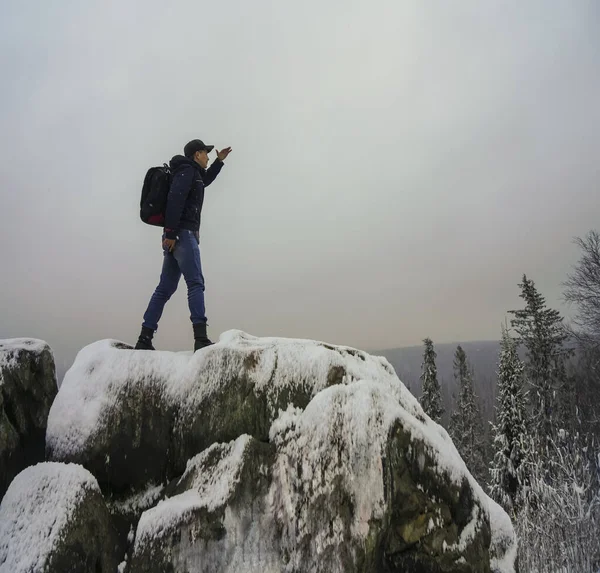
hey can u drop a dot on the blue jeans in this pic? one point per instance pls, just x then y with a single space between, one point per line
183 259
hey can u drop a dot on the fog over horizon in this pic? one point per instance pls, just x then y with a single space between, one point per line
396 166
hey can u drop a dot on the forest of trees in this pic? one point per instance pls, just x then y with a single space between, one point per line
540 458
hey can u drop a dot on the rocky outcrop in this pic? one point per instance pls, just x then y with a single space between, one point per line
360 484
53 520
350 484
143 415
216 515
27 389
273 455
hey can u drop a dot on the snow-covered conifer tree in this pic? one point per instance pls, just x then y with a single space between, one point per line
431 397
466 426
512 441
540 329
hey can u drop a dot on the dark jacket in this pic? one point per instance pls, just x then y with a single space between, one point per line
186 195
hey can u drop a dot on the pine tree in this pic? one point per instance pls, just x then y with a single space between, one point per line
582 290
543 335
511 437
431 397
461 375
466 426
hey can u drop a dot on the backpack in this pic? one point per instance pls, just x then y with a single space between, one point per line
153 205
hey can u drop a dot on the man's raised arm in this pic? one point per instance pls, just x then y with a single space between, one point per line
211 173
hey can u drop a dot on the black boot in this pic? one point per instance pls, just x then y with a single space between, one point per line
145 339
200 338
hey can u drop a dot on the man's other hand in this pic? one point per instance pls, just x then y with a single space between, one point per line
222 155
169 244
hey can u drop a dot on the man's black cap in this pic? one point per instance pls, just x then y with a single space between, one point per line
196 145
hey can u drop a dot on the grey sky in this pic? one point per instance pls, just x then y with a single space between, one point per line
396 165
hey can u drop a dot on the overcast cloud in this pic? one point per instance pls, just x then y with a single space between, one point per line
396 166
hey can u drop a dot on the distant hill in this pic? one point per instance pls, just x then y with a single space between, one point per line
482 355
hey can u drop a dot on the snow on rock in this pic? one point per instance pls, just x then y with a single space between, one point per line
53 519
11 348
337 441
140 501
215 519
503 549
27 388
359 480
206 489
241 384
113 415
356 483
293 455
126 509
120 411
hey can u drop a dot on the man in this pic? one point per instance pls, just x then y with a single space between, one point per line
181 252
